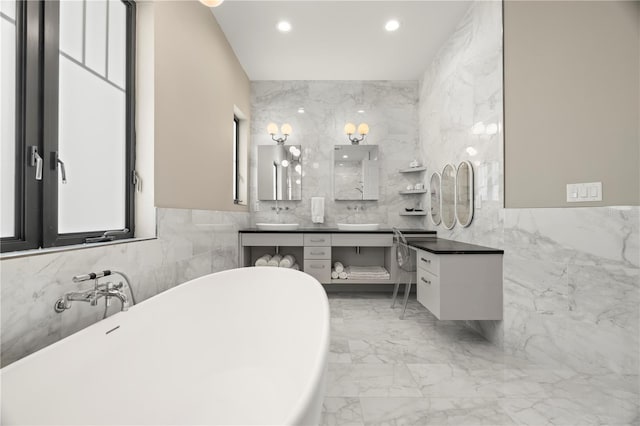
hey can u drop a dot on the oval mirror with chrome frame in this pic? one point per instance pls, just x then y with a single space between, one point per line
464 193
434 195
448 196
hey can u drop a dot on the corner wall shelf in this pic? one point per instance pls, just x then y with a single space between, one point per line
413 169
414 191
423 213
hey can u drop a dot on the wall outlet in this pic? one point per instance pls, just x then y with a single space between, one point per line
583 192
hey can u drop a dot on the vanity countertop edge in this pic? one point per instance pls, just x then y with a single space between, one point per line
336 231
444 246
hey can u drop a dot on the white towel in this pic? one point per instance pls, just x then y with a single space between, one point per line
339 267
317 209
342 275
334 274
295 267
263 260
287 262
275 260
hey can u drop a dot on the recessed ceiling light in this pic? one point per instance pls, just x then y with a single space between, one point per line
392 25
345 156
284 26
360 111
301 110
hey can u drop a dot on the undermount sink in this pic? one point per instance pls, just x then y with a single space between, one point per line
358 226
277 226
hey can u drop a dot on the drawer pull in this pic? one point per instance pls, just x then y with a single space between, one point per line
321 240
317 266
425 281
316 253
425 260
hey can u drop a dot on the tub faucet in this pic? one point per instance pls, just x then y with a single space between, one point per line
99 290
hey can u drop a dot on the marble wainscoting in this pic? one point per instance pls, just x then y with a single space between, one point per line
391 110
572 287
190 243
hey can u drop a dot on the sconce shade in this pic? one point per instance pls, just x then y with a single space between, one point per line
286 129
211 3
272 128
350 128
363 129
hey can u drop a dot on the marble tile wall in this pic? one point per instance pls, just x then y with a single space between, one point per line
571 276
190 243
391 110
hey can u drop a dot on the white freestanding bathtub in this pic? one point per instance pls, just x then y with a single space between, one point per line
244 346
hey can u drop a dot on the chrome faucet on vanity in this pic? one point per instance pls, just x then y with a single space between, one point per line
99 290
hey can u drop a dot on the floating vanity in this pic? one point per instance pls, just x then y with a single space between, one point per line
316 249
459 281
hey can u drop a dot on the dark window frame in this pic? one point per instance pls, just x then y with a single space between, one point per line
37 125
236 160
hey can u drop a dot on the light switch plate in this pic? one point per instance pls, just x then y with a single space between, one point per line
584 192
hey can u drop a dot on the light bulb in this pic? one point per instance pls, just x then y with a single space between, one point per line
272 128
392 25
363 129
286 129
211 3
292 150
284 26
350 128
285 163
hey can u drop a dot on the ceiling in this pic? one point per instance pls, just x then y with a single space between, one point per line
337 40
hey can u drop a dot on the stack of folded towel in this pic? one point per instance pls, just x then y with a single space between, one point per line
338 271
287 261
359 272
367 273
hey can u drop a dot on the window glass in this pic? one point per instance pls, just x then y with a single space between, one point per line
92 136
8 120
95 48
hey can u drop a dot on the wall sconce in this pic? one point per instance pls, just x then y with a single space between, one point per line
350 129
211 3
272 128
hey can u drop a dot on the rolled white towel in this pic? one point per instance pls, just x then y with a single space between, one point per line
342 275
334 274
263 260
339 267
287 262
275 260
295 267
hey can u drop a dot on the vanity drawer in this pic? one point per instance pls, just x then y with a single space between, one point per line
428 261
361 240
428 291
316 240
271 239
319 269
317 253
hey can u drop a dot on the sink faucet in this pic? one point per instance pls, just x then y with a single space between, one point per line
99 290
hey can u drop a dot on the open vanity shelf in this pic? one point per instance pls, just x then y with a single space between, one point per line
316 250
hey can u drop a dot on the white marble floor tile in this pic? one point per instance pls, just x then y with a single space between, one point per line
341 412
385 380
433 411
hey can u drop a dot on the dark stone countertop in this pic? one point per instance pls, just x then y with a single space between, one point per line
325 230
442 246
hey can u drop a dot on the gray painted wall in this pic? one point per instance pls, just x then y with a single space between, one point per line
572 98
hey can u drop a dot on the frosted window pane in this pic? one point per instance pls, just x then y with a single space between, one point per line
8 7
92 145
71 28
117 42
7 126
96 36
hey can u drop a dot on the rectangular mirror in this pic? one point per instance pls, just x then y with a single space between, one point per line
355 172
279 172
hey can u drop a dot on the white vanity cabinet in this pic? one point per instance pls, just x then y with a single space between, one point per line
317 256
460 285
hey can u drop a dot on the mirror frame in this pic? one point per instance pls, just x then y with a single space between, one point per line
471 193
431 189
454 170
